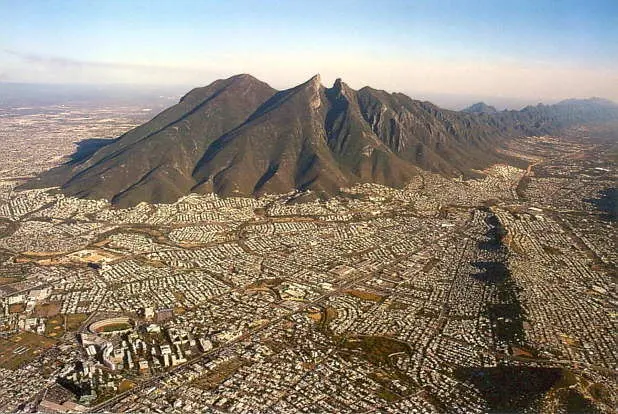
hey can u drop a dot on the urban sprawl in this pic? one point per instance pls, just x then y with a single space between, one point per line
448 295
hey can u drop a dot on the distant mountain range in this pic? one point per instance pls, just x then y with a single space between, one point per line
480 108
547 119
239 136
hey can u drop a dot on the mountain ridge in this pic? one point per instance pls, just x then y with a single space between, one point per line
239 136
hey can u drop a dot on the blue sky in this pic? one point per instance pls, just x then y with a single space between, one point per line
527 50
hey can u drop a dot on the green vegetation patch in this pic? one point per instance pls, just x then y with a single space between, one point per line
377 349
54 327
22 348
47 310
114 327
75 320
363 294
219 374
7 280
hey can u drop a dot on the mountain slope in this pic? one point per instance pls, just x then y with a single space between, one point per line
280 147
154 161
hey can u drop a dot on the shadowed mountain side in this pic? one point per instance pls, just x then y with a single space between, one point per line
239 136
56 176
87 147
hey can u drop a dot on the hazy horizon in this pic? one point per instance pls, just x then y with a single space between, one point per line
453 53
65 92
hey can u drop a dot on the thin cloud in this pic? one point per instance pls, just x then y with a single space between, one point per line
76 63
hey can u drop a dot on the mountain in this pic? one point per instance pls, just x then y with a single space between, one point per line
551 119
480 108
239 136
155 161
